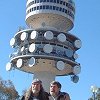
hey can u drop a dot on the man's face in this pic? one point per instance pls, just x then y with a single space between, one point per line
54 90
35 87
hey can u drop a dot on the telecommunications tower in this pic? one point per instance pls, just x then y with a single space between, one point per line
47 49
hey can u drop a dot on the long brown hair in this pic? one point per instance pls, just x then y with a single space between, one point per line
42 94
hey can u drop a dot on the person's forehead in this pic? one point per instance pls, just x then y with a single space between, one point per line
36 83
54 85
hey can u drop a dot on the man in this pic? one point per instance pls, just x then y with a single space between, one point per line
55 92
36 92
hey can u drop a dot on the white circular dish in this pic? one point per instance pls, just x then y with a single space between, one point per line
19 63
78 43
48 35
69 52
31 62
76 70
48 48
12 42
34 35
24 36
75 56
59 52
32 47
60 65
61 37
8 66
22 48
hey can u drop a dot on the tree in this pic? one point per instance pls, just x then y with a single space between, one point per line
97 95
7 90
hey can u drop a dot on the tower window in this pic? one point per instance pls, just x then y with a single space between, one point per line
54 1
37 7
32 2
66 11
37 1
40 7
47 7
57 8
60 9
43 6
66 4
34 8
47 0
61 2
54 7
50 7
63 10
44 0
58 1
51 0
41 0
30 10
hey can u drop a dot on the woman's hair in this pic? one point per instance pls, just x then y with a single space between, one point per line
42 94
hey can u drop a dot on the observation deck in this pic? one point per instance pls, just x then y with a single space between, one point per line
56 15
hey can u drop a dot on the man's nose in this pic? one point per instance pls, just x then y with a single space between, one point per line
52 88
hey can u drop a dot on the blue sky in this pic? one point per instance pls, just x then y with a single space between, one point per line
86 27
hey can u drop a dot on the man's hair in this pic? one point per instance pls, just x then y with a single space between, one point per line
37 81
56 83
42 94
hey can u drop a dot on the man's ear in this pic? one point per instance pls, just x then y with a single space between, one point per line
59 89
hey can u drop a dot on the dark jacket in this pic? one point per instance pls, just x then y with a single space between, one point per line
41 96
63 96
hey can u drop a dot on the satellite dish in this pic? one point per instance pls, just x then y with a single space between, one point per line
31 62
78 43
8 66
24 36
59 52
48 48
12 42
75 56
34 35
60 65
19 63
75 78
69 52
61 37
32 47
48 35
22 48
76 70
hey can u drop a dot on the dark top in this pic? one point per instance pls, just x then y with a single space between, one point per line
41 96
63 96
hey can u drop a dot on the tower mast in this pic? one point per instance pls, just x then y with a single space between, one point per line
47 49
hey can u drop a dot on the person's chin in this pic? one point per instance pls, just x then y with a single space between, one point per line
35 91
52 93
